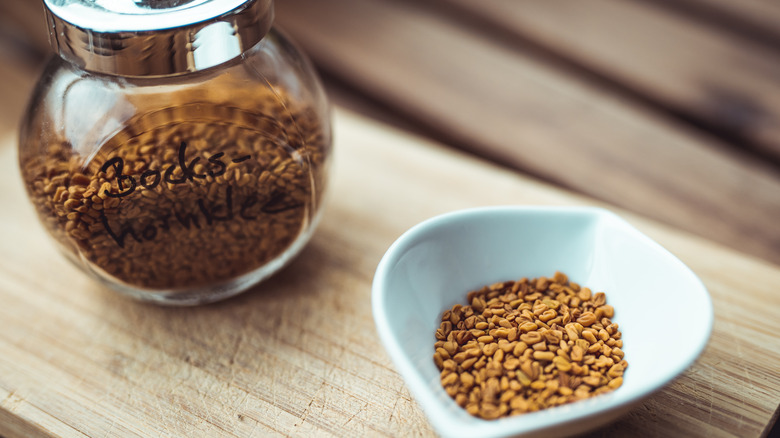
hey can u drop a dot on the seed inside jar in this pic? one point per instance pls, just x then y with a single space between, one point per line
188 195
522 346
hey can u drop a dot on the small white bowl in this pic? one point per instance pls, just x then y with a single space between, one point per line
663 310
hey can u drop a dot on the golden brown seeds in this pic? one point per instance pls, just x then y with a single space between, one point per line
203 229
587 319
532 344
546 356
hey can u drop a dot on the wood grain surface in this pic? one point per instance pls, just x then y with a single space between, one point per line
719 79
518 109
299 355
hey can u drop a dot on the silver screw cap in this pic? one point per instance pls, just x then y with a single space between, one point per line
155 37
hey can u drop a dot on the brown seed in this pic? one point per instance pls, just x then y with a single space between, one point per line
511 364
450 379
528 327
489 349
587 319
544 355
519 348
562 364
615 383
573 353
531 338
469 363
590 336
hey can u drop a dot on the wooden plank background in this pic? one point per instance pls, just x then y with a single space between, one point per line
299 355
514 101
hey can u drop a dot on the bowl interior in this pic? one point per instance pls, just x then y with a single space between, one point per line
663 310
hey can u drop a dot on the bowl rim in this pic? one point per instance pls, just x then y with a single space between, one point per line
441 418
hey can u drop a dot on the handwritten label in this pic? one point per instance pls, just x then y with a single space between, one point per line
204 212
151 178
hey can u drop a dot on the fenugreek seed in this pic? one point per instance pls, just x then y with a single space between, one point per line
501 333
520 404
489 411
499 356
443 353
519 348
562 364
449 379
538 385
548 315
594 348
461 337
451 347
493 369
449 365
485 339
468 363
565 391
467 380
460 357
489 349
577 353
511 364
481 325
478 304
528 327
504 383
506 396
531 338
452 390
615 371
587 319
523 378
498 312
592 381
544 355
590 336
615 383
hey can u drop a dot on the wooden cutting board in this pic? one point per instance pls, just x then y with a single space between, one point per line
299 355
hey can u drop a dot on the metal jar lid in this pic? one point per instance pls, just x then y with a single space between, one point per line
155 37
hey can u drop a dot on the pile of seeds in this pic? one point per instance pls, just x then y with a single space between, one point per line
192 194
521 346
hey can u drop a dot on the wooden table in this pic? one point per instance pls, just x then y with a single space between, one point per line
665 112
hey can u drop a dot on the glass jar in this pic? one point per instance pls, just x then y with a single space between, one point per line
176 150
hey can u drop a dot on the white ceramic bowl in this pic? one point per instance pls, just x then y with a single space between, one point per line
662 308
